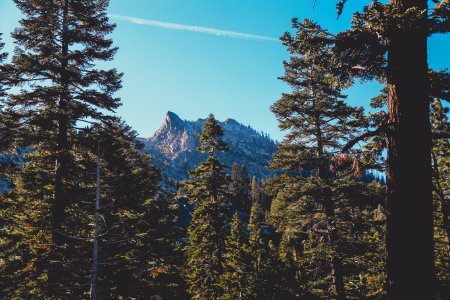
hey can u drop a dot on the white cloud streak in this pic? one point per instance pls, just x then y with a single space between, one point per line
191 28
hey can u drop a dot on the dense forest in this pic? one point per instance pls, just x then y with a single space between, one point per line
87 215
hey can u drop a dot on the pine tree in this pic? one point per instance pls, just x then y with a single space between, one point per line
255 190
388 43
441 190
208 189
7 125
257 216
319 123
268 277
58 45
240 187
234 280
138 253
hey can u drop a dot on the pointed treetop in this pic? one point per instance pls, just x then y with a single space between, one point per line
211 136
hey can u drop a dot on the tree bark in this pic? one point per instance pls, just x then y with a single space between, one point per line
409 225
61 155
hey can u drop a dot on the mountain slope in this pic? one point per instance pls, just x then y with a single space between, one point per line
174 147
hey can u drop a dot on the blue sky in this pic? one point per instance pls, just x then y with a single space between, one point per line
196 71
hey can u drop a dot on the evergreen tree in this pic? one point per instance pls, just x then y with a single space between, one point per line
441 188
268 278
208 189
319 122
257 216
58 44
388 42
7 125
240 187
138 253
237 265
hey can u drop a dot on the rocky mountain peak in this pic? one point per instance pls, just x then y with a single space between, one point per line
174 146
172 119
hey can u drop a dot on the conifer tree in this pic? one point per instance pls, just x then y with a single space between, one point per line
268 277
255 191
388 42
208 188
6 124
237 265
240 187
441 191
139 254
319 122
57 46
257 216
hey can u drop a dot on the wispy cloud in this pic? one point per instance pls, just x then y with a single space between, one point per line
191 28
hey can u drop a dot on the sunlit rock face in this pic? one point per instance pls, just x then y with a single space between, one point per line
174 147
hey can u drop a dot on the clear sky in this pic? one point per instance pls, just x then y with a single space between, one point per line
196 57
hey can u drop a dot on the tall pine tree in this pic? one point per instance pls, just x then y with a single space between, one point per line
319 122
237 266
388 42
208 189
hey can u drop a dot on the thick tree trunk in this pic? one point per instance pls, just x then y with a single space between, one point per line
409 226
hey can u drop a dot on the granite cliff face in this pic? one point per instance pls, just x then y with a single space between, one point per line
174 147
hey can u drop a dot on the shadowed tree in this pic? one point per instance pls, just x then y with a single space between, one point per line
58 44
208 189
388 42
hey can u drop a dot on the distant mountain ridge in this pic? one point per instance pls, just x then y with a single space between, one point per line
174 147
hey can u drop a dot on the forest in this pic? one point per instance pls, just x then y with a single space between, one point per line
88 215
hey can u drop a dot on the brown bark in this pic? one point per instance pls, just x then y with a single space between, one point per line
409 225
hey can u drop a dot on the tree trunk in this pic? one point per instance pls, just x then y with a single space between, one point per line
94 277
337 270
61 156
409 225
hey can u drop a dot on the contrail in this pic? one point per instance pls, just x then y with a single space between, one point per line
199 29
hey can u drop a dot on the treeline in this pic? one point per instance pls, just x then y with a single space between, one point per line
87 218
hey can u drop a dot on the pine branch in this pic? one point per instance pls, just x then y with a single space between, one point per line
364 136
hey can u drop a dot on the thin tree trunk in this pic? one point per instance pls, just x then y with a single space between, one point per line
60 200
409 225
96 235
337 270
